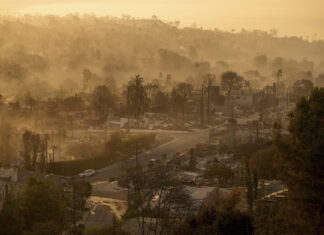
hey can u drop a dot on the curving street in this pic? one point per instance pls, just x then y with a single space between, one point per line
109 199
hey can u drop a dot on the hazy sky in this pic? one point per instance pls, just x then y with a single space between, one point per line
290 17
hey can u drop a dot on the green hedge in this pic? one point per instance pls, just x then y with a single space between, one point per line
117 148
76 166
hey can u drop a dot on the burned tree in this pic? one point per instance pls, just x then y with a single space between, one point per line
157 200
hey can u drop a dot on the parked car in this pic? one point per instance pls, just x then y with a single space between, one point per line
154 162
151 162
88 172
132 158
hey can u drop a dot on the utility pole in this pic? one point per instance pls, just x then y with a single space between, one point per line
208 100
261 115
42 155
234 133
128 109
202 107
46 152
106 127
53 155
274 88
257 133
279 74
59 150
238 175
209 78
136 157
287 98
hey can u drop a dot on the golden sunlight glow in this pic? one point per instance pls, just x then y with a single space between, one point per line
290 17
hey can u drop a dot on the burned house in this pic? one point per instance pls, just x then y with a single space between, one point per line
266 98
242 98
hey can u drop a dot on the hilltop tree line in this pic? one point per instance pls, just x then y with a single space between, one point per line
71 53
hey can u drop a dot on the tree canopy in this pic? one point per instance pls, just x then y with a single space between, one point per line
231 81
40 209
303 163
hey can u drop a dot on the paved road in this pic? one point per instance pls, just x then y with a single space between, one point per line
108 199
180 143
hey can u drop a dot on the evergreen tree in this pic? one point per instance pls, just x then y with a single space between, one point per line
303 163
41 208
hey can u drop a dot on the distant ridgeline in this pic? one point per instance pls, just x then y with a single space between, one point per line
34 46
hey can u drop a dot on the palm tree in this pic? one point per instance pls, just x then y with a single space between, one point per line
136 97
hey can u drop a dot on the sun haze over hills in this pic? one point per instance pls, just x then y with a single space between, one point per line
289 17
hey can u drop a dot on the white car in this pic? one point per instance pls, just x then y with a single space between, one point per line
88 172
132 157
